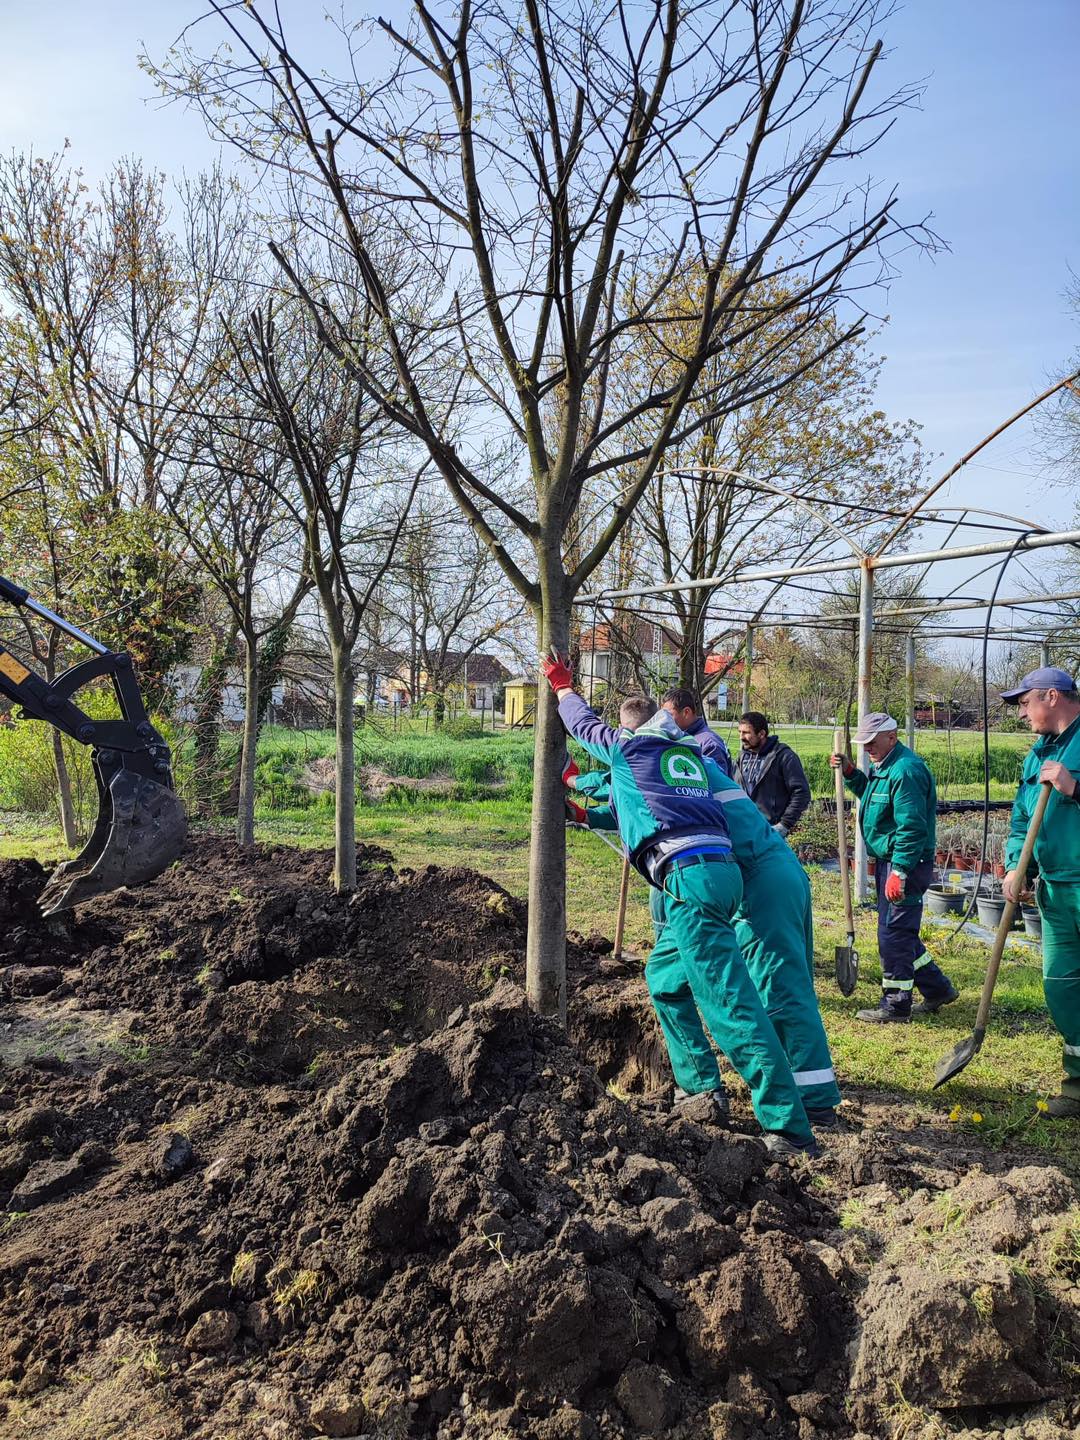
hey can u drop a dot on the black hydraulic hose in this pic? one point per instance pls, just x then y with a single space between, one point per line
973 900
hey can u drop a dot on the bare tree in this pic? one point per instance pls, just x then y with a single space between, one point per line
525 155
345 461
456 599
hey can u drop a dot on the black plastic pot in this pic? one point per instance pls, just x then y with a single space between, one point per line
990 911
1032 920
945 899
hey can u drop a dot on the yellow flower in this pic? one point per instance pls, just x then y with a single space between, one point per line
1042 1105
955 1113
976 1117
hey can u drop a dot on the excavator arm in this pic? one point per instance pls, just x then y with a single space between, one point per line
141 827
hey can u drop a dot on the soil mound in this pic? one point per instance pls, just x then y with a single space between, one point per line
279 1164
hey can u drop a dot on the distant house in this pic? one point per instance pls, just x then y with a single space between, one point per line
519 702
469 680
184 682
608 652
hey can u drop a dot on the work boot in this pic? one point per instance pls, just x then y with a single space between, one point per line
882 1015
931 1007
781 1148
823 1119
1062 1107
707 1107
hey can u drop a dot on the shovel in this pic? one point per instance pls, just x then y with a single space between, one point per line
847 957
962 1054
620 920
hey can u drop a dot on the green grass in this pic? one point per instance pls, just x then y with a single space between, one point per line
1019 1062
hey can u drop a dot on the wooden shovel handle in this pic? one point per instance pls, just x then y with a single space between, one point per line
1005 924
841 831
620 919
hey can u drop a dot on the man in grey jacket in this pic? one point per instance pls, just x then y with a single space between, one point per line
771 774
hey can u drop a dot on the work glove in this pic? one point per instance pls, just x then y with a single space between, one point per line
558 672
575 815
844 763
570 773
894 886
781 829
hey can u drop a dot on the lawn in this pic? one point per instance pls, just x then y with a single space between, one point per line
1020 1061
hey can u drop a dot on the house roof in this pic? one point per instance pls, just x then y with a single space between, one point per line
478 668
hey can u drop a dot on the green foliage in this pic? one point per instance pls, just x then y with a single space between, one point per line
463 727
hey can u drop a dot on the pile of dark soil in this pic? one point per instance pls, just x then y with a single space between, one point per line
281 1164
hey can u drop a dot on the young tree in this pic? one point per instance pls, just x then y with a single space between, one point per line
526 155
346 465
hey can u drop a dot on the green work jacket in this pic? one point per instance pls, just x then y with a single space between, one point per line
897 808
1057 849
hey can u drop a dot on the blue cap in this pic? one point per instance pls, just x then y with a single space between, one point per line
1047 677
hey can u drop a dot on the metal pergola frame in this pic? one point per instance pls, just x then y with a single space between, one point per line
1018 536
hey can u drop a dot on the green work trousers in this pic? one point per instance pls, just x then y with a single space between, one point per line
775 930
696 973
774 926
1059 902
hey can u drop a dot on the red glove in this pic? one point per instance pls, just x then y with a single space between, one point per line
575 814
558 672
894 887
570 772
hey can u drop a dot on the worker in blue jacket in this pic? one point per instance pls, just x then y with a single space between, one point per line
677 838
775 930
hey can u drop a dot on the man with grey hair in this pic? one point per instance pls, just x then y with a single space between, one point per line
1047 699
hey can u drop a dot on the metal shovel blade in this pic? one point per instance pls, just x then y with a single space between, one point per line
960 1055
847 969
141 829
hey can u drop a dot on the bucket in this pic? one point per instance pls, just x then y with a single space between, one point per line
1032 920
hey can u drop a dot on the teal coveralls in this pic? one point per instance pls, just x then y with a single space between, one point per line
1057 861
700 969
775 930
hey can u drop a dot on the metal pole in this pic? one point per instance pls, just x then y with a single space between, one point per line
748 665
1044 653
911 692
866 665
832 567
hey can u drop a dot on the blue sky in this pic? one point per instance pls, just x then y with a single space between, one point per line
992 153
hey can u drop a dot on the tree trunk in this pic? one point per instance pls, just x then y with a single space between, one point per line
63 789
545 952
208 702
245 809
344 770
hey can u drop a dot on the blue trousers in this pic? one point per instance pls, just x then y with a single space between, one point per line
905 961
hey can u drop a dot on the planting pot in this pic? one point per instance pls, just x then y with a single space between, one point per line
941 858
962 862
1032 920
945 899
990 910
999 870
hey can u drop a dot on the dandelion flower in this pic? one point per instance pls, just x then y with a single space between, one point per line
1042 1105
976 1117
955 1113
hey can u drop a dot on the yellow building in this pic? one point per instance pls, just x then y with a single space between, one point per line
519 704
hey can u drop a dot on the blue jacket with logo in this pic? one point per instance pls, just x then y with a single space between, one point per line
661 783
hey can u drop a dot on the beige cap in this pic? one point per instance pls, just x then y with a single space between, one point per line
871 725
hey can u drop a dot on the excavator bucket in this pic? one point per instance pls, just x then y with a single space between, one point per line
141 829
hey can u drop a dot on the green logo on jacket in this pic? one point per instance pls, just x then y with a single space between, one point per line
683 767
